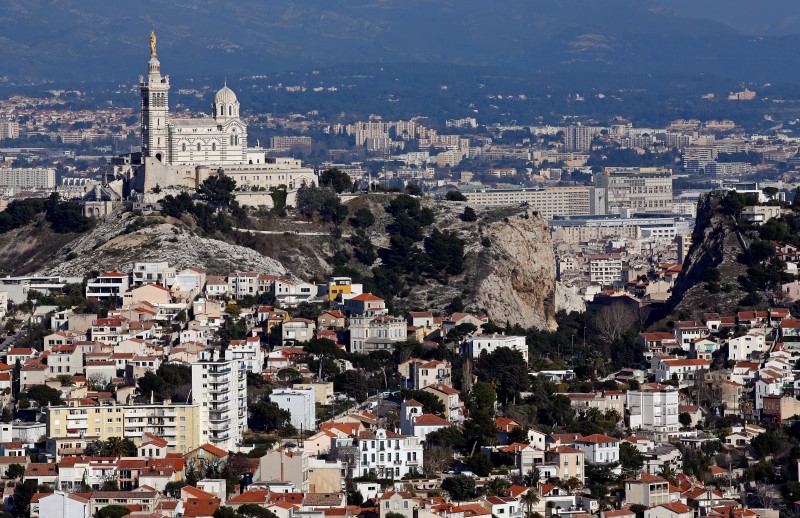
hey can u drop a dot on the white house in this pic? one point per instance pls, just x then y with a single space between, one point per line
59 505
414 422
681 370
300 403
687 331
387 454
599 449
490 343
108 285
743 347
653 408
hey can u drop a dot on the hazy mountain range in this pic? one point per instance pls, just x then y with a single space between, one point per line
102 40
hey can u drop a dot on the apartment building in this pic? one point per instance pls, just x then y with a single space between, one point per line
640 189
373 333
107 286
387 454
599 449
550 202
249 352
490 343
653 408
70 428
647 490
160 273
28 177
219 386
8 130
300 403
417 374
605 269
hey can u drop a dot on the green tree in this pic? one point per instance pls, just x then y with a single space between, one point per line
335 179
454 195
254 511
483 396
469 214
363 218
460 487
497 486
632 459
225 512
112 511
45 395
445 253
480 464
530 500
505 369
363 248
218 191
22 496
351 383
15 471
266 415
685 419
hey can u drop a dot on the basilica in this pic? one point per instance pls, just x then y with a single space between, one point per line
183 152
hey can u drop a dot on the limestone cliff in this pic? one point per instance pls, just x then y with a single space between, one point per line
517 273
715 243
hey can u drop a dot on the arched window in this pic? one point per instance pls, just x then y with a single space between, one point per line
213 146
198 146
183 146
222 110
230 110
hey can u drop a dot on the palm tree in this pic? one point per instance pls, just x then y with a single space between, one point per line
667 473
113 447
529 499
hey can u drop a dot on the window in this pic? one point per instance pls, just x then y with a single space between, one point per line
183 146
213 146
198 146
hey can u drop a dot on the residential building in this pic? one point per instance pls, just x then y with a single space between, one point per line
107 286
647 490
28 177
549 202
490 343
645 189
599 449
300 403
219 386
683 371
653 408
160 273
70 428
416 374
387 454
568 462
605 269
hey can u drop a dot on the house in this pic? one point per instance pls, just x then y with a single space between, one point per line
790 330
397 503
600 449
414 422
503 506
703 349
568 461
290 294
451 399
648 490
479 344
383 452
687 331
59 504
298 330
365 304
657 343
749 346
151 293
107 286
331 319
670 510
684 371
416 374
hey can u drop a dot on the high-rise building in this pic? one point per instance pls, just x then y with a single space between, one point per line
300 403
645 189
578 138
9 129
28 177
550 202
653 408
219 386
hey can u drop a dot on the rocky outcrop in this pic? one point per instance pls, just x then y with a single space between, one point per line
119 241
715 244
517 273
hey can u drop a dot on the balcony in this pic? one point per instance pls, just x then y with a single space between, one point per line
220 427
220 389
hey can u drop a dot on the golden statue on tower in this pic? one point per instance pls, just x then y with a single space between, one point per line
152 44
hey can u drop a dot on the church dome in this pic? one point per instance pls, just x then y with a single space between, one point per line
225 96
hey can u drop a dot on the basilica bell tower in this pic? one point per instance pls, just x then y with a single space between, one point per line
155 108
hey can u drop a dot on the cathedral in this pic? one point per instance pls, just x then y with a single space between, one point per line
183 152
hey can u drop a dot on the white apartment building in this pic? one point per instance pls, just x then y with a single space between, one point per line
300 402
599 449
490 343
641 189
249 352
371 333
653 408
160 273
743 347
108 285
9 130
605 269
550 202
220 387
387 454
28 178
687 331
682 370
290 294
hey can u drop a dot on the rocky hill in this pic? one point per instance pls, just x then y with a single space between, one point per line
508 268
715 244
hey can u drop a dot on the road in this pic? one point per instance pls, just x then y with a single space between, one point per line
286 232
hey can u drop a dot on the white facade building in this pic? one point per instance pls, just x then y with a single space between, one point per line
28 177
743 347
160 273
653 408
249 352
387 454
300 403
490 343
599 449
220 387
605 269
108 285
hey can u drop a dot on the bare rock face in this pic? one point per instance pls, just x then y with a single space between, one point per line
518 273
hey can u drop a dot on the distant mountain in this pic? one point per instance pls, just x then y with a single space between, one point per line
102 40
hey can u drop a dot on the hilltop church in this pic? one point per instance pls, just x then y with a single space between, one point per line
183 152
